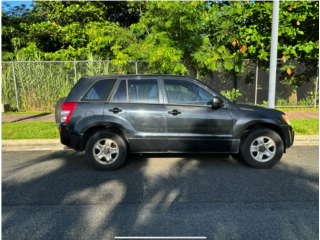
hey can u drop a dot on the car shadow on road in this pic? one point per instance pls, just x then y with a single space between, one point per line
57 195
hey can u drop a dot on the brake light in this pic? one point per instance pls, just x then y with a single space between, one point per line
67 109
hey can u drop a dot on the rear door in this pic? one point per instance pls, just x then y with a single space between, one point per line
88 112
192 124
137 108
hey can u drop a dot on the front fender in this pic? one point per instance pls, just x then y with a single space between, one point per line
246 120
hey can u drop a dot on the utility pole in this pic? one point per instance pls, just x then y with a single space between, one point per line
273 54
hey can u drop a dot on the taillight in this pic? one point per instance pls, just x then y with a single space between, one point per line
67 109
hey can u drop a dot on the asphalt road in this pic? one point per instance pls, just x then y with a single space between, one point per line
57 195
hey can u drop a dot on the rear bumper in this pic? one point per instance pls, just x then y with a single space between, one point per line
69 138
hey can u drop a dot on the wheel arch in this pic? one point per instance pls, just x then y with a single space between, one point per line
270 126
91 131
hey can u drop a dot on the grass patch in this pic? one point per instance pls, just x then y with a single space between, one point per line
30 130
305 126
46 112
48 130
298 109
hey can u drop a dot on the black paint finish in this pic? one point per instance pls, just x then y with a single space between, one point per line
198 128
164 127
144 125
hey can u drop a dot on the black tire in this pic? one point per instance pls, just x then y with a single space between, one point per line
58 111
120 143
248 140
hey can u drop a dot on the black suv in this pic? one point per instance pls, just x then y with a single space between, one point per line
110 116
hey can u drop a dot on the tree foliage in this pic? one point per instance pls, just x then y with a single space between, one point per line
204 34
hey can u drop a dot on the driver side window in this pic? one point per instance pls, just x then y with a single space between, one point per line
185 92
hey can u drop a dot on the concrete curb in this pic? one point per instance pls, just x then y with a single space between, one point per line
32 148
305 143
306 138
32 145
54 144
30 142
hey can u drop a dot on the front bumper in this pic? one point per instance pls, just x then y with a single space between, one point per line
289 136
69 138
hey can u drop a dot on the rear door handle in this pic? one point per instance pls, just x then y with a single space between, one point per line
174 112
115 110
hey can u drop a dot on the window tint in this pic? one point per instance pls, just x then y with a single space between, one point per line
143 91
185 92
100 91
121 94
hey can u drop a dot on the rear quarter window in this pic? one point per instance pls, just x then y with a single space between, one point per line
100 90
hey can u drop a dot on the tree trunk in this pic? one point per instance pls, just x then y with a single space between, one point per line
293 98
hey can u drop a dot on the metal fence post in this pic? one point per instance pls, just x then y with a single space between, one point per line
75 72
273 55
316 92
256 87
136 67
15 85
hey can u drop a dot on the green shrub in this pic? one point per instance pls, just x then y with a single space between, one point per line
231 95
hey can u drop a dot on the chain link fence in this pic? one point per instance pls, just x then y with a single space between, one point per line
36 86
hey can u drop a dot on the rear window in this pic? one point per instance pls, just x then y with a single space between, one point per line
100 91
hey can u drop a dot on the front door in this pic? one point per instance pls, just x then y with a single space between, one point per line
137 107
192 124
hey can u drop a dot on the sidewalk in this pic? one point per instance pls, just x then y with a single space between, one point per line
54 144
27 117
51 117
302 114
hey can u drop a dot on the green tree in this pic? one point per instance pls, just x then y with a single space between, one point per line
214 35
206 35
70 30
239 30
13 35
166 33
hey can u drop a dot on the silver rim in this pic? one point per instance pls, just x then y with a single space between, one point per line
105 151
263 149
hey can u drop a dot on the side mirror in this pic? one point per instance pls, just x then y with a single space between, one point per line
217 102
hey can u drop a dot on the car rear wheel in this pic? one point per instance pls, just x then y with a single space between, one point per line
261 148
106 150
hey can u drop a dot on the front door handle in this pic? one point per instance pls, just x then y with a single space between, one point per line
115 110
174 112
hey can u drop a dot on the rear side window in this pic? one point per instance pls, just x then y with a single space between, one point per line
144 91
100 91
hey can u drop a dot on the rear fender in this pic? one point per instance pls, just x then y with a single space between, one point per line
122 124
94 129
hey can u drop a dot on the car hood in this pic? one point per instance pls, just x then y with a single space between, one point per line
259 109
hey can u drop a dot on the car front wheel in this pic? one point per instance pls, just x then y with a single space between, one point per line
106 151
261 148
